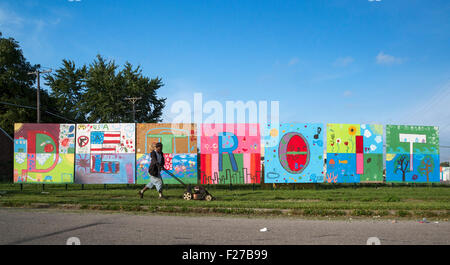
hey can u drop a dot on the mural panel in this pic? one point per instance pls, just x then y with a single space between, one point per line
354 153
179 148
230 153
43 153
412 153
294 153
105 153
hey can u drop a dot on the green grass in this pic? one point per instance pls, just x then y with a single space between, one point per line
326 201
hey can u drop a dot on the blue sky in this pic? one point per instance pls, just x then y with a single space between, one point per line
336 61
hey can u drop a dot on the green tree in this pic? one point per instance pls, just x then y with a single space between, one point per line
134 84
445 164
17 87
103 97
97 93
68 85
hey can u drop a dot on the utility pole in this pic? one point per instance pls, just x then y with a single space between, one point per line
38 102
133 101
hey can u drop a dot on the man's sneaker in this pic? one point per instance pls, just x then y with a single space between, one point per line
141 194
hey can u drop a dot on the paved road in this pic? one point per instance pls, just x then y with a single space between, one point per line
25 226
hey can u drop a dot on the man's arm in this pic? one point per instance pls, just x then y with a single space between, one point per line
163 160
154 158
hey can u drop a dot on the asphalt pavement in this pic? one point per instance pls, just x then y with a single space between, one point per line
56 227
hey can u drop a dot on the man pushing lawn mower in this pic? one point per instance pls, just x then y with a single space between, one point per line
156 165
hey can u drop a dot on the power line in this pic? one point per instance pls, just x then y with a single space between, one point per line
38 102
28 107
9 136
133 101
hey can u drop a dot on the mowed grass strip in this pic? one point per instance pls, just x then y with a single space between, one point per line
406 202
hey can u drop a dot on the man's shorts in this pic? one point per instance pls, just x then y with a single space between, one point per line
154 181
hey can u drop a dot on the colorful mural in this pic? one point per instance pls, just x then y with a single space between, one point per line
105 153
43 153
179 148
412 153
230 153
354 153
294 153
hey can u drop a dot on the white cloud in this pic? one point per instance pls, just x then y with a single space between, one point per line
347 93
29 31
9 19
387 59
293 61
325 77
343 61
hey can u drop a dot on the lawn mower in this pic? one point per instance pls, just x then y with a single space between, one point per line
195 193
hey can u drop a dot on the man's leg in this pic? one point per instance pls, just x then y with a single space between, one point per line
146 187
159 187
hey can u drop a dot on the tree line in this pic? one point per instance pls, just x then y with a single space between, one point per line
93 93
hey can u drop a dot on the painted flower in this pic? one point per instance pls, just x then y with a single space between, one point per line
378 139
352 130
338 140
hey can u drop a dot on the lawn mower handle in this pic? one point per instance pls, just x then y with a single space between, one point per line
173 176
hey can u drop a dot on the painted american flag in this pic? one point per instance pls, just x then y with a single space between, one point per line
105 142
